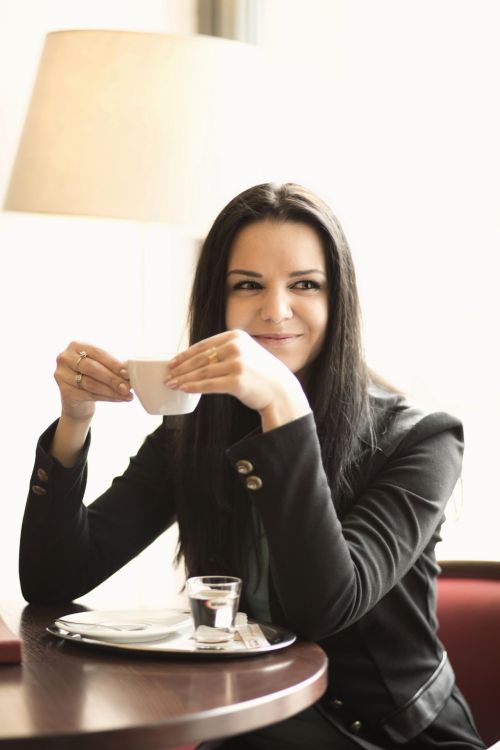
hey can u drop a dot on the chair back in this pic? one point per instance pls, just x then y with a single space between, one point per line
468 609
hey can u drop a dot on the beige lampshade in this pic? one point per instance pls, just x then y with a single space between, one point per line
149 127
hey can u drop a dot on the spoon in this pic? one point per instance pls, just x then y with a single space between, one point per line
107 625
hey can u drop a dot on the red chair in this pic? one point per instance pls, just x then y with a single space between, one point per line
468 609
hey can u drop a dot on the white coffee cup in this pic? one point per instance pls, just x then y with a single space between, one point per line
147 376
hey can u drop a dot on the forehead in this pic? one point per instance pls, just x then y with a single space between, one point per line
285 243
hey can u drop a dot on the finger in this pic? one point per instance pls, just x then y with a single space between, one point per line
209 356
103 391
72 355
84 382
111 399
200 349
99 373
205 373
97 364
196 364
223 384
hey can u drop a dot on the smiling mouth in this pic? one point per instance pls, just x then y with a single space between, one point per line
281 338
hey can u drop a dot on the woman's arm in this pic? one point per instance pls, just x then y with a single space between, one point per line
66 548
84 374
328 573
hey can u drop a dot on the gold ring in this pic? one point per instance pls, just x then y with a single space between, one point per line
78 380
212 356
82 355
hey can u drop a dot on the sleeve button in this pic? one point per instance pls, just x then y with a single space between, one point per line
244 467
37 490
42 475
356 726
336 703
254 483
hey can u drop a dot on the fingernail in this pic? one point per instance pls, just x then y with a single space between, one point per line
171 384
124 374
124 388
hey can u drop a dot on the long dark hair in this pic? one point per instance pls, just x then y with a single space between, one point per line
212 522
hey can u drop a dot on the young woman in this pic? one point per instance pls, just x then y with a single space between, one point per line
299 470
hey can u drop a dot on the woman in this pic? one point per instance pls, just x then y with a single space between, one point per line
319 485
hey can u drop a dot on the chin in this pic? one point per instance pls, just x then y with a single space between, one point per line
290 362
298 368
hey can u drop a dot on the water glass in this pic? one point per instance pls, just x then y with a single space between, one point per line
214 605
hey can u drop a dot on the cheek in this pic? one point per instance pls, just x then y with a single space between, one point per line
235 315
318 331
319 319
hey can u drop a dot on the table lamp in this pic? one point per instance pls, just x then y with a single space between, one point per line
142 126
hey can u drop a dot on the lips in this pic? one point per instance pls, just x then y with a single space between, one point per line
276 338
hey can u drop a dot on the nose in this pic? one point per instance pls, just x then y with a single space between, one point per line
276 306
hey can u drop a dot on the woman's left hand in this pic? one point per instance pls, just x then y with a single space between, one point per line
233 363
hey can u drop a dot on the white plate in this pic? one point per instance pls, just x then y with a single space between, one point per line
125 626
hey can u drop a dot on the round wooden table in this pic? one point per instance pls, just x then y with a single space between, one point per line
69 696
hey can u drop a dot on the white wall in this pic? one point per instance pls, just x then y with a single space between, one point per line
393 112
65 279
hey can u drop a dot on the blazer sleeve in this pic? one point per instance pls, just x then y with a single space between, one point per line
328 573
67 548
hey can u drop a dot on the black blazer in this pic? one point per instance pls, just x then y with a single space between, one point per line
360 581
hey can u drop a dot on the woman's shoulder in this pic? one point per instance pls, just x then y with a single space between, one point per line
397 419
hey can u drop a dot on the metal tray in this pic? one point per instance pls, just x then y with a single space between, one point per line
181 642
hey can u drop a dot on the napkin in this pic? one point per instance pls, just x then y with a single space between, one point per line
10 645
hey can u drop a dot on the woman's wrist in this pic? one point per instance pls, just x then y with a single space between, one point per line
284 409
69 439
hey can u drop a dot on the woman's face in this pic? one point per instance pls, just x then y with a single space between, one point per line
277 289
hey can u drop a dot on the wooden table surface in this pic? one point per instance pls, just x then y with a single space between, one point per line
66 695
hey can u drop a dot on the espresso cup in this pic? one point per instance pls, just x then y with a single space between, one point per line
147 376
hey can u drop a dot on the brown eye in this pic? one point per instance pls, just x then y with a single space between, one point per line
247 285
306 284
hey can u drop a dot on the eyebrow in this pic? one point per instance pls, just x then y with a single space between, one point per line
256 275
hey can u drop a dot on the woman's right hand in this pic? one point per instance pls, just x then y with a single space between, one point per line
86 374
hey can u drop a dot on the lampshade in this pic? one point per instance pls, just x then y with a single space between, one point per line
142 126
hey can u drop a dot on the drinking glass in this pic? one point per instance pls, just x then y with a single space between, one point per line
214 604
